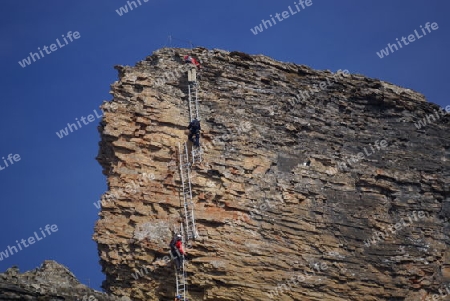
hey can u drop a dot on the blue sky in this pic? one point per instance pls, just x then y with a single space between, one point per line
57 180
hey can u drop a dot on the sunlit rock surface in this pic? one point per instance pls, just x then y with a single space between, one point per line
314 185
50 282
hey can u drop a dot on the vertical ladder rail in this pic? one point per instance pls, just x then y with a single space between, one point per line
196 154
189 212
180 279
194 228
187 221
196 103
191 111
189 102
194 114
188 205
193 102
186 174
182 233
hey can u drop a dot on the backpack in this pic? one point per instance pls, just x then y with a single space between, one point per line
172 244
196 124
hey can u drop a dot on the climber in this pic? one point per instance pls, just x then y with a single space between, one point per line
190 60
187 59
194 128
177 251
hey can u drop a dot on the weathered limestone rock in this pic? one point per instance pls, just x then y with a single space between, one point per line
50 282
314 185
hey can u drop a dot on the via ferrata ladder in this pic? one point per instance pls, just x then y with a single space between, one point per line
193 114
185 173
180 278
180 275
193 101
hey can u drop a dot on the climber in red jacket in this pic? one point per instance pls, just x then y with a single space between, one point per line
190 60
179 245
187 59
177 250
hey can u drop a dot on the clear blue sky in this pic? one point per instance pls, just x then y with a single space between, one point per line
57 180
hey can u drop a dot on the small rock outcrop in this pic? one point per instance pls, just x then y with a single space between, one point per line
50 282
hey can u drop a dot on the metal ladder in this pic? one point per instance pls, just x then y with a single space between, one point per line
193 101
193 114
180 276
185 174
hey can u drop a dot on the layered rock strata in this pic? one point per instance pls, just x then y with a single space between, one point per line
314 185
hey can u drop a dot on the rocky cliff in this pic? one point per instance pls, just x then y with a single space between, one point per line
50 282
314 185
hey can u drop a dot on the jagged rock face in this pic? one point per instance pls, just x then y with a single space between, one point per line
50 282
334 196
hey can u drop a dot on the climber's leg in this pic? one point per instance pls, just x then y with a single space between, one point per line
197 139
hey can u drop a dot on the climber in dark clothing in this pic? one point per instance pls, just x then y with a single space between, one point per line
177 251
194 128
